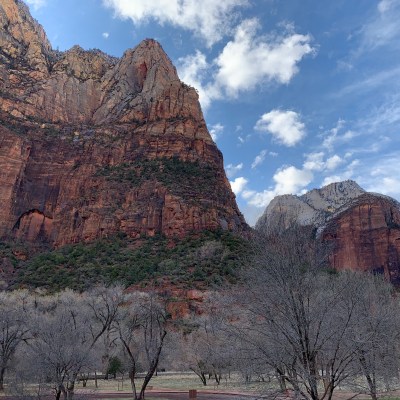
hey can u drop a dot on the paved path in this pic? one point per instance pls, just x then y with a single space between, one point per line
175 395
154 394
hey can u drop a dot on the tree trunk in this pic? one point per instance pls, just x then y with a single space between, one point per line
71 389
281 380
368 376
153 367
202 376
2 372
131 374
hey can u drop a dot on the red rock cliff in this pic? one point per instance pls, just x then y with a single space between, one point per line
361 228
366 237
92 145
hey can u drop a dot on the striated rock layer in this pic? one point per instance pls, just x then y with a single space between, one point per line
363 228
366 236
92 145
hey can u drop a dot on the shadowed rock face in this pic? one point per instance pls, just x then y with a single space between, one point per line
92 145
366 237
363 228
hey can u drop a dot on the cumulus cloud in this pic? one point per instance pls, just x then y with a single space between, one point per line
210 21
259 159
238 184
216 131
105 35
314 161
285 126
331 179
333 162
36 4
288 180
348 172
317 162
232 170
244 63
194 70
249 60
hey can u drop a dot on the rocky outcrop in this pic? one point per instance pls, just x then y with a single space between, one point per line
366 236
312 208
92 145
361 229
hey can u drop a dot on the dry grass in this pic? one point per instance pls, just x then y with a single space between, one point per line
180 381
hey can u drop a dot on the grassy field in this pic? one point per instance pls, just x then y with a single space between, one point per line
173 381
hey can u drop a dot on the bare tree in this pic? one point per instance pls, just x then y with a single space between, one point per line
142 328
14 328
296 318
205 349
376 336
67 327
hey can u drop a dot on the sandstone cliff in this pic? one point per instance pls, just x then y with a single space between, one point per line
366 236
92 145
362 228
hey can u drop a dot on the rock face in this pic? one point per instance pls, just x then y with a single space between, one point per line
366 236
312 208
92 145
363 228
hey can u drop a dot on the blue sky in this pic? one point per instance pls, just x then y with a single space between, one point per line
296 94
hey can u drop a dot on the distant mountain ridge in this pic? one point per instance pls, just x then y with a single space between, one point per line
312 208
363 228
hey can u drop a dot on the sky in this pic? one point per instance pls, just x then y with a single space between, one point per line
297 94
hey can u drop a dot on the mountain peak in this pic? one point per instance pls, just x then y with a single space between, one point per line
95 145
23 38
88 86
312 208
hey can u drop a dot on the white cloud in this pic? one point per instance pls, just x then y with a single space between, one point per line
331 179
105 35
244 63
381 175
333 162
194 70
347 173
238 184
383 29
371 83
333 137
36 4
288 180
316 162
211 20
216 131
232 170
259 159
248 60
285 126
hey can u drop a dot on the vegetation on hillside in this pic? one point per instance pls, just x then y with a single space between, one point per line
177 175
201 259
